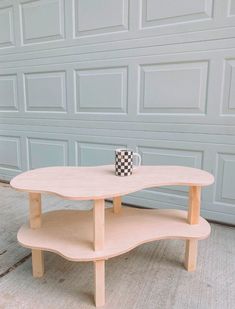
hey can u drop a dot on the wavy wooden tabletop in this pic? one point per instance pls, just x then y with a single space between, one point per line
69 233
99 182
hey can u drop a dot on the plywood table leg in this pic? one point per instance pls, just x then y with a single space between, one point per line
191 254
35 210
35 223
193 218
99 213
99 283
37 263
117 204
98 219
194 205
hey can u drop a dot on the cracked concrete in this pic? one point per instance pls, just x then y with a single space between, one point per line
13 267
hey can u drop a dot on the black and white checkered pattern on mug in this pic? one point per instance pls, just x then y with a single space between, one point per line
123 162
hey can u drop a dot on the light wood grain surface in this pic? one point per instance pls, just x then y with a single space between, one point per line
85 183
70 233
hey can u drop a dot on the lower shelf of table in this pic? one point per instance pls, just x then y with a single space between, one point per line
69 233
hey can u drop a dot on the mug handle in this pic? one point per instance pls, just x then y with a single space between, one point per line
139 159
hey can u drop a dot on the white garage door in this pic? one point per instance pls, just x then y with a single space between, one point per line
79 78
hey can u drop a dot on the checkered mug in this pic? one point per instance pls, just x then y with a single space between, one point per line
124 161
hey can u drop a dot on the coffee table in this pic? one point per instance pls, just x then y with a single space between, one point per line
105 233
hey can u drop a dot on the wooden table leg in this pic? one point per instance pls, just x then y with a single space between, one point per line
99 283
193 218
35 223
37 263
98 217
117 204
